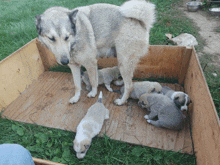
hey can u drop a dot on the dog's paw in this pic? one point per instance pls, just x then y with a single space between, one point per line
74 99
149 121
92 94
118 102
146 117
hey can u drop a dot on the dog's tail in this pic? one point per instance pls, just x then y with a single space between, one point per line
100 97
140 10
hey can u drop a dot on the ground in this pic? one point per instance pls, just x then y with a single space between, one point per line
209 31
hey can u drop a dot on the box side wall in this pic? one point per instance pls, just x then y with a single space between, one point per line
44 162
161 61
18 71
204 118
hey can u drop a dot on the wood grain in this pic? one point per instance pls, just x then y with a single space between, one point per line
45 103
204 118
18 71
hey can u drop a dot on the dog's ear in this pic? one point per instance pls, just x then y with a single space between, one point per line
37 23
87 146
72 16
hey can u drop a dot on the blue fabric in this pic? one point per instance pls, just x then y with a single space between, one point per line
15 154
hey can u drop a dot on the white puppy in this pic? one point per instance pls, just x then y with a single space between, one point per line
142 87
89 127
106 76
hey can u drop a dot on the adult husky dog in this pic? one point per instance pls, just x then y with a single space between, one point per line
82 35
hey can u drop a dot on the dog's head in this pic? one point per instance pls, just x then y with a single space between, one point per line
157 88
81 147
143 102
181 100
56 29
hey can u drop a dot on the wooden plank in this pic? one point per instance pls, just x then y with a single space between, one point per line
205 120
47 56
44 162
161 61
45 103
17 71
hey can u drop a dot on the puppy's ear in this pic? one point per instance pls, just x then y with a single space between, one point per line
38 24
153 90
176 98
87 146
72 16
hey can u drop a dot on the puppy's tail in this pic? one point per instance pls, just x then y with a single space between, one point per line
100 97
140 10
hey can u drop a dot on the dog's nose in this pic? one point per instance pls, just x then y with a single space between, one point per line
64 60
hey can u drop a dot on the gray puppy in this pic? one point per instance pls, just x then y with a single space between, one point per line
142 87
181 99
106 76
169 116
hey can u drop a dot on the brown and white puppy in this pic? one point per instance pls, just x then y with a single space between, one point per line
159 105
89 127
142 87
106 76
80 36
181 99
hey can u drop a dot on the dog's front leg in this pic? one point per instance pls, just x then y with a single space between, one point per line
93 78
75 69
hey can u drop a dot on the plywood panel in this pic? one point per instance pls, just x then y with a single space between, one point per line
161 61
47 56
45 103
205 121
17 71
44 162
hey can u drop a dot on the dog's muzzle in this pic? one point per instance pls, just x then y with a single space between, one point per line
64 60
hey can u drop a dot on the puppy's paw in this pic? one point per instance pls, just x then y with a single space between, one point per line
118 102
146 117
92 94
119 82
149 121
74 99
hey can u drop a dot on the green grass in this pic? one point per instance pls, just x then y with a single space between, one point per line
57 145
17 27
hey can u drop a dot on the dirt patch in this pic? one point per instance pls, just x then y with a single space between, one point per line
208 25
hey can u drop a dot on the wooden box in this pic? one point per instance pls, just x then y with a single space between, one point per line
32 94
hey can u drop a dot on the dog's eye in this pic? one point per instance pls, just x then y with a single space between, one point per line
52 39
66 38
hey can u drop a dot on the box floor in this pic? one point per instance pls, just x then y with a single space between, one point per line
45 102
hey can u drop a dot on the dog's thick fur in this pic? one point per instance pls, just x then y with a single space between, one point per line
159 105
139 88
82 35
106 76
89 127
181 99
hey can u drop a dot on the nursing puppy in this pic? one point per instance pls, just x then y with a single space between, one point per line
89 127
142 87
181 99
106 76
82 35
159 105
